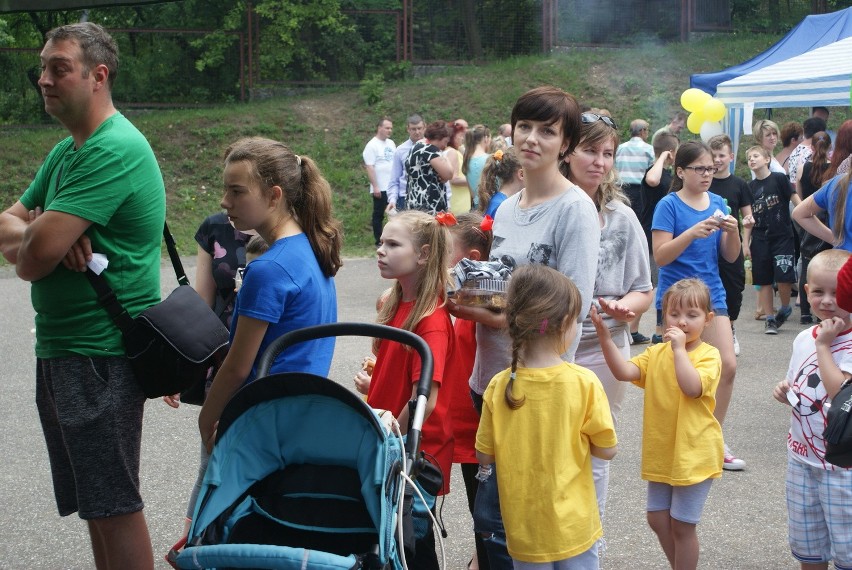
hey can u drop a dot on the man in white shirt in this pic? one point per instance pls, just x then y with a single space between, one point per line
378 158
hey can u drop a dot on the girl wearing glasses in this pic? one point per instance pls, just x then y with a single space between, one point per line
623 280
551 221
691 227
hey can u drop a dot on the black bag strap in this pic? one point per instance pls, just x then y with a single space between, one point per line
108 299
173 255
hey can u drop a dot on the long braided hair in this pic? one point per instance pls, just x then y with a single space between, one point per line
542 304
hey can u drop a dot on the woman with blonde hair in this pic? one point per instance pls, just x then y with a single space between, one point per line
623 280
766 135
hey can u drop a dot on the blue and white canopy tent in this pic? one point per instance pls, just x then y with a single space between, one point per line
788 74
822 77
811 33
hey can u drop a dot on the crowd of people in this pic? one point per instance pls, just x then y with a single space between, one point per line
671 224
527 398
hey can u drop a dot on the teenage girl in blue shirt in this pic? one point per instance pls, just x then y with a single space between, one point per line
691 226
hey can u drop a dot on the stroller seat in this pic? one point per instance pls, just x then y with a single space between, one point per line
303 474
318 507
302 463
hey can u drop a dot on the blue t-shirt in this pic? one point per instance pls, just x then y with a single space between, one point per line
825 198
700 258
287 288
474 173
494 203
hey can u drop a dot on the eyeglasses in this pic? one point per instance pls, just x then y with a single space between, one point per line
589 118
702 170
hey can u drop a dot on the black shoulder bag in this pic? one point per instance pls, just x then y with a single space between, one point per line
838 429
172 344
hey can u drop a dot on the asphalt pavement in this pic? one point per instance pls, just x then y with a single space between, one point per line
743 525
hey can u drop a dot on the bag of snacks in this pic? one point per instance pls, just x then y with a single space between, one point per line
480 283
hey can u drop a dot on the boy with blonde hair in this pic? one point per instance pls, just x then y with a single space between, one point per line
737 196
769 243
819 494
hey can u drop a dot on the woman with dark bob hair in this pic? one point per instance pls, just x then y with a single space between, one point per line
552 222
428 170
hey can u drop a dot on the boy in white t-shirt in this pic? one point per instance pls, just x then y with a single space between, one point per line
819 494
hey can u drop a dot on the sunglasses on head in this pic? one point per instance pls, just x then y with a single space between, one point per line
589 118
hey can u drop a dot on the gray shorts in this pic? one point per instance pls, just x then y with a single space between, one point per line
91 415
683 503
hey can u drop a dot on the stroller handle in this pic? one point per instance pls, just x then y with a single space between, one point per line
424 384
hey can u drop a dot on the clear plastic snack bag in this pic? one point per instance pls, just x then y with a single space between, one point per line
480 283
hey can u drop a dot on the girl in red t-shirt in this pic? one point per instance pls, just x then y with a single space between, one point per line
414 251
472 240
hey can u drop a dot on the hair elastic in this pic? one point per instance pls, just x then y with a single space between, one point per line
486 224
446 219
299 160
543 328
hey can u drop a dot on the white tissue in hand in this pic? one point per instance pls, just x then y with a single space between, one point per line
98 263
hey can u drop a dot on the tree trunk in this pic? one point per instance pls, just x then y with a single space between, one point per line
471 28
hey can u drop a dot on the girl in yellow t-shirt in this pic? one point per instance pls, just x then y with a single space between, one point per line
682 445
542 421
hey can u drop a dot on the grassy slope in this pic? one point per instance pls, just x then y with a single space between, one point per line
332 127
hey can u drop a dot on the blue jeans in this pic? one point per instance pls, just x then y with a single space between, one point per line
487 519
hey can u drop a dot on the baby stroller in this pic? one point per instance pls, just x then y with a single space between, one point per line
303 474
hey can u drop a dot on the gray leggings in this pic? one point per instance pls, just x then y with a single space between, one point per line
203 458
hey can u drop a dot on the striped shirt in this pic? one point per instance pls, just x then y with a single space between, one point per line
632 159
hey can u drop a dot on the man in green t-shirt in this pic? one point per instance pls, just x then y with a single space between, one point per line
100 191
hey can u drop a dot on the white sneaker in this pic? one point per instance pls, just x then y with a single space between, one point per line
731 462
736 345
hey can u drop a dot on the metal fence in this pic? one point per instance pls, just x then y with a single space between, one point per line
160 67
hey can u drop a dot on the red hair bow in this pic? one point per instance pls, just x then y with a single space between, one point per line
446 218
486 224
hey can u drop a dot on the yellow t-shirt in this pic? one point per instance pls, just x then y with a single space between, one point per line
544 469
460 201
681 440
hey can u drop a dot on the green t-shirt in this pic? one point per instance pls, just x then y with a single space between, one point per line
114 181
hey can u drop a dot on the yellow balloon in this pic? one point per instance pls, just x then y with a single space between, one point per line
693 99
713 110
694 122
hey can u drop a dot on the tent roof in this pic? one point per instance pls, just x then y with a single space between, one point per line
50 5
811 33
819 77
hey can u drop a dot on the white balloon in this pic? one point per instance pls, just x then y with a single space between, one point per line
710 129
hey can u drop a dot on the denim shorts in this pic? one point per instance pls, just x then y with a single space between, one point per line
684 504
819 514
587 560
91 414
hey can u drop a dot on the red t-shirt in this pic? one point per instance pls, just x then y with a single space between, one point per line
464 416
397 369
